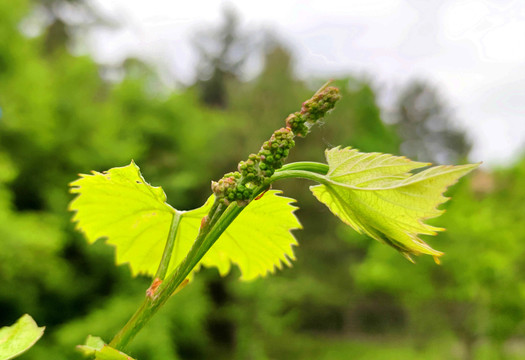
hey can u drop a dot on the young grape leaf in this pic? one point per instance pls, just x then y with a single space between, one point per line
134 217
18 338
95 346
376 194
258 241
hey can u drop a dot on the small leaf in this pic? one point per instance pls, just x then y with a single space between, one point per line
95 346
18 338
377 195
134 217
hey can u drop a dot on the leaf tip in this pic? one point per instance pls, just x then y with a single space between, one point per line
407 256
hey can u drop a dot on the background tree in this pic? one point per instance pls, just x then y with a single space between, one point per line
222 53
427 125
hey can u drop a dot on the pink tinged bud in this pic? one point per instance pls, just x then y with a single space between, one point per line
153 288
204 220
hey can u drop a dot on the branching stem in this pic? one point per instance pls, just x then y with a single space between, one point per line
233 193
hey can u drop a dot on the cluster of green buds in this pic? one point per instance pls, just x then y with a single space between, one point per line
255 172
271 157
312 111
229 188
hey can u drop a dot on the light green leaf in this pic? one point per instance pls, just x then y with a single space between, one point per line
258 241
133 216
18 338
376 194
95 346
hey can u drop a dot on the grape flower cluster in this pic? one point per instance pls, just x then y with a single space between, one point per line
254 172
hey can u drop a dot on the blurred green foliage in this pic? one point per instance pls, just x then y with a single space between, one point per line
346 296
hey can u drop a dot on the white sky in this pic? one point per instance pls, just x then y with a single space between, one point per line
473 50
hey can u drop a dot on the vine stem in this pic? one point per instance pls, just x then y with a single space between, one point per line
219 218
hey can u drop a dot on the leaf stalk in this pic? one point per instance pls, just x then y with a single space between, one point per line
168 249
